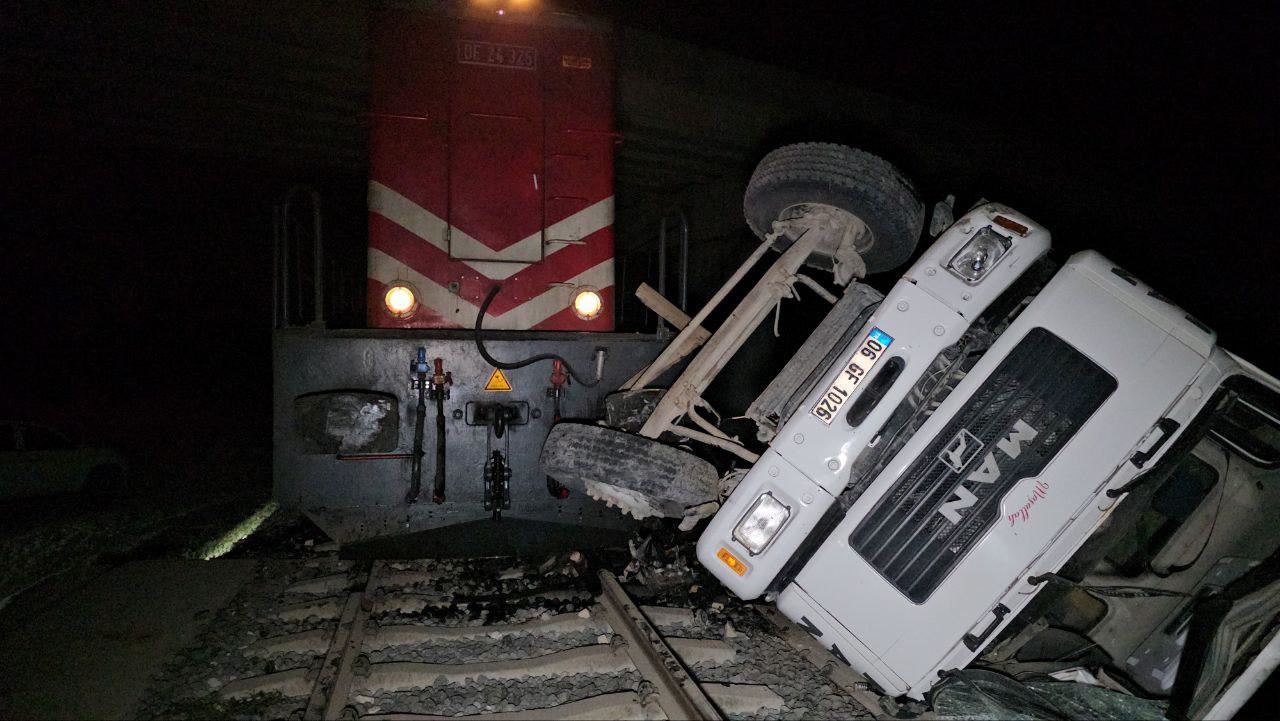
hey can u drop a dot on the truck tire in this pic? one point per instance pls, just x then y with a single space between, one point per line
847 178
662 479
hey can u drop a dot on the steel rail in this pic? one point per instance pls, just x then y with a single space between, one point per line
333 683
679 695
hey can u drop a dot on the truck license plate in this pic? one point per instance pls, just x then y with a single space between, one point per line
871 350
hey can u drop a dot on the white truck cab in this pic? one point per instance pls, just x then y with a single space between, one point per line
977 431
1004 460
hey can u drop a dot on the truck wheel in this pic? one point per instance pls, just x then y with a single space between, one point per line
639 475
847 178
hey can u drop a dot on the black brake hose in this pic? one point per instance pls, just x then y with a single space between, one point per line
484 307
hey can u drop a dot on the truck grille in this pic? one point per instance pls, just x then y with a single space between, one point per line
1034 402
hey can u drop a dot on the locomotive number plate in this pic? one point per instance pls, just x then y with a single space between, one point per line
476 52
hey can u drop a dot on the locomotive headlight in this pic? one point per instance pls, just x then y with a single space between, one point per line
979 255
401 300
762 522
587 303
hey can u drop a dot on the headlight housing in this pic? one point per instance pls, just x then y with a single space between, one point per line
983 251
400 299
761 524
587 303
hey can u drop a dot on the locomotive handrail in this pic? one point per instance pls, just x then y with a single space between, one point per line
280 258
644 248
684 258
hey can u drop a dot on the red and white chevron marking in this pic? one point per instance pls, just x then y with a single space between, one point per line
409 243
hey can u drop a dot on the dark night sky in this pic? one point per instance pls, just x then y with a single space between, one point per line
135 289
1179 70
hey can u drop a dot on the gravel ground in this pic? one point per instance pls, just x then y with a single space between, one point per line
188 685
485 591
452 593
480 650
670 579
496 696
288 550
45 538
766 659
286 534
763 658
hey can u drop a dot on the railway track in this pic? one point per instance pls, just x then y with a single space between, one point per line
407 640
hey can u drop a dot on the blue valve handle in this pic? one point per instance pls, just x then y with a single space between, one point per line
420 365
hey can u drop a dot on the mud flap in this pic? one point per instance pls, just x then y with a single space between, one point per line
640 475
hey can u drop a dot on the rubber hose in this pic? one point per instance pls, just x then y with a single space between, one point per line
484 307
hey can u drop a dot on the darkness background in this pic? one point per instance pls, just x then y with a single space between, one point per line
145 145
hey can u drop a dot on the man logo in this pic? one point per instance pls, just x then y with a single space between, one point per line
988 472
962 449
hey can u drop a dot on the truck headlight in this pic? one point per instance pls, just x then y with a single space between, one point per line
761 523
972 263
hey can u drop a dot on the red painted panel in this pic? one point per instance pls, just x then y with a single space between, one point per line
484 133
497 209
495 161
407 156
579 120
408 69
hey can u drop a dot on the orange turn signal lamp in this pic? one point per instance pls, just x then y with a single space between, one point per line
731 561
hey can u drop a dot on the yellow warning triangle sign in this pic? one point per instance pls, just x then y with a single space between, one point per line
497 381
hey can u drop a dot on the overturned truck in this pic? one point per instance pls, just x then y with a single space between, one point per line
1028 464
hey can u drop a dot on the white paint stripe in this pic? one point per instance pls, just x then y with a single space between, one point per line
543 306
408 215
462 245
573 228
577 226
495 264
494 270
386 269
